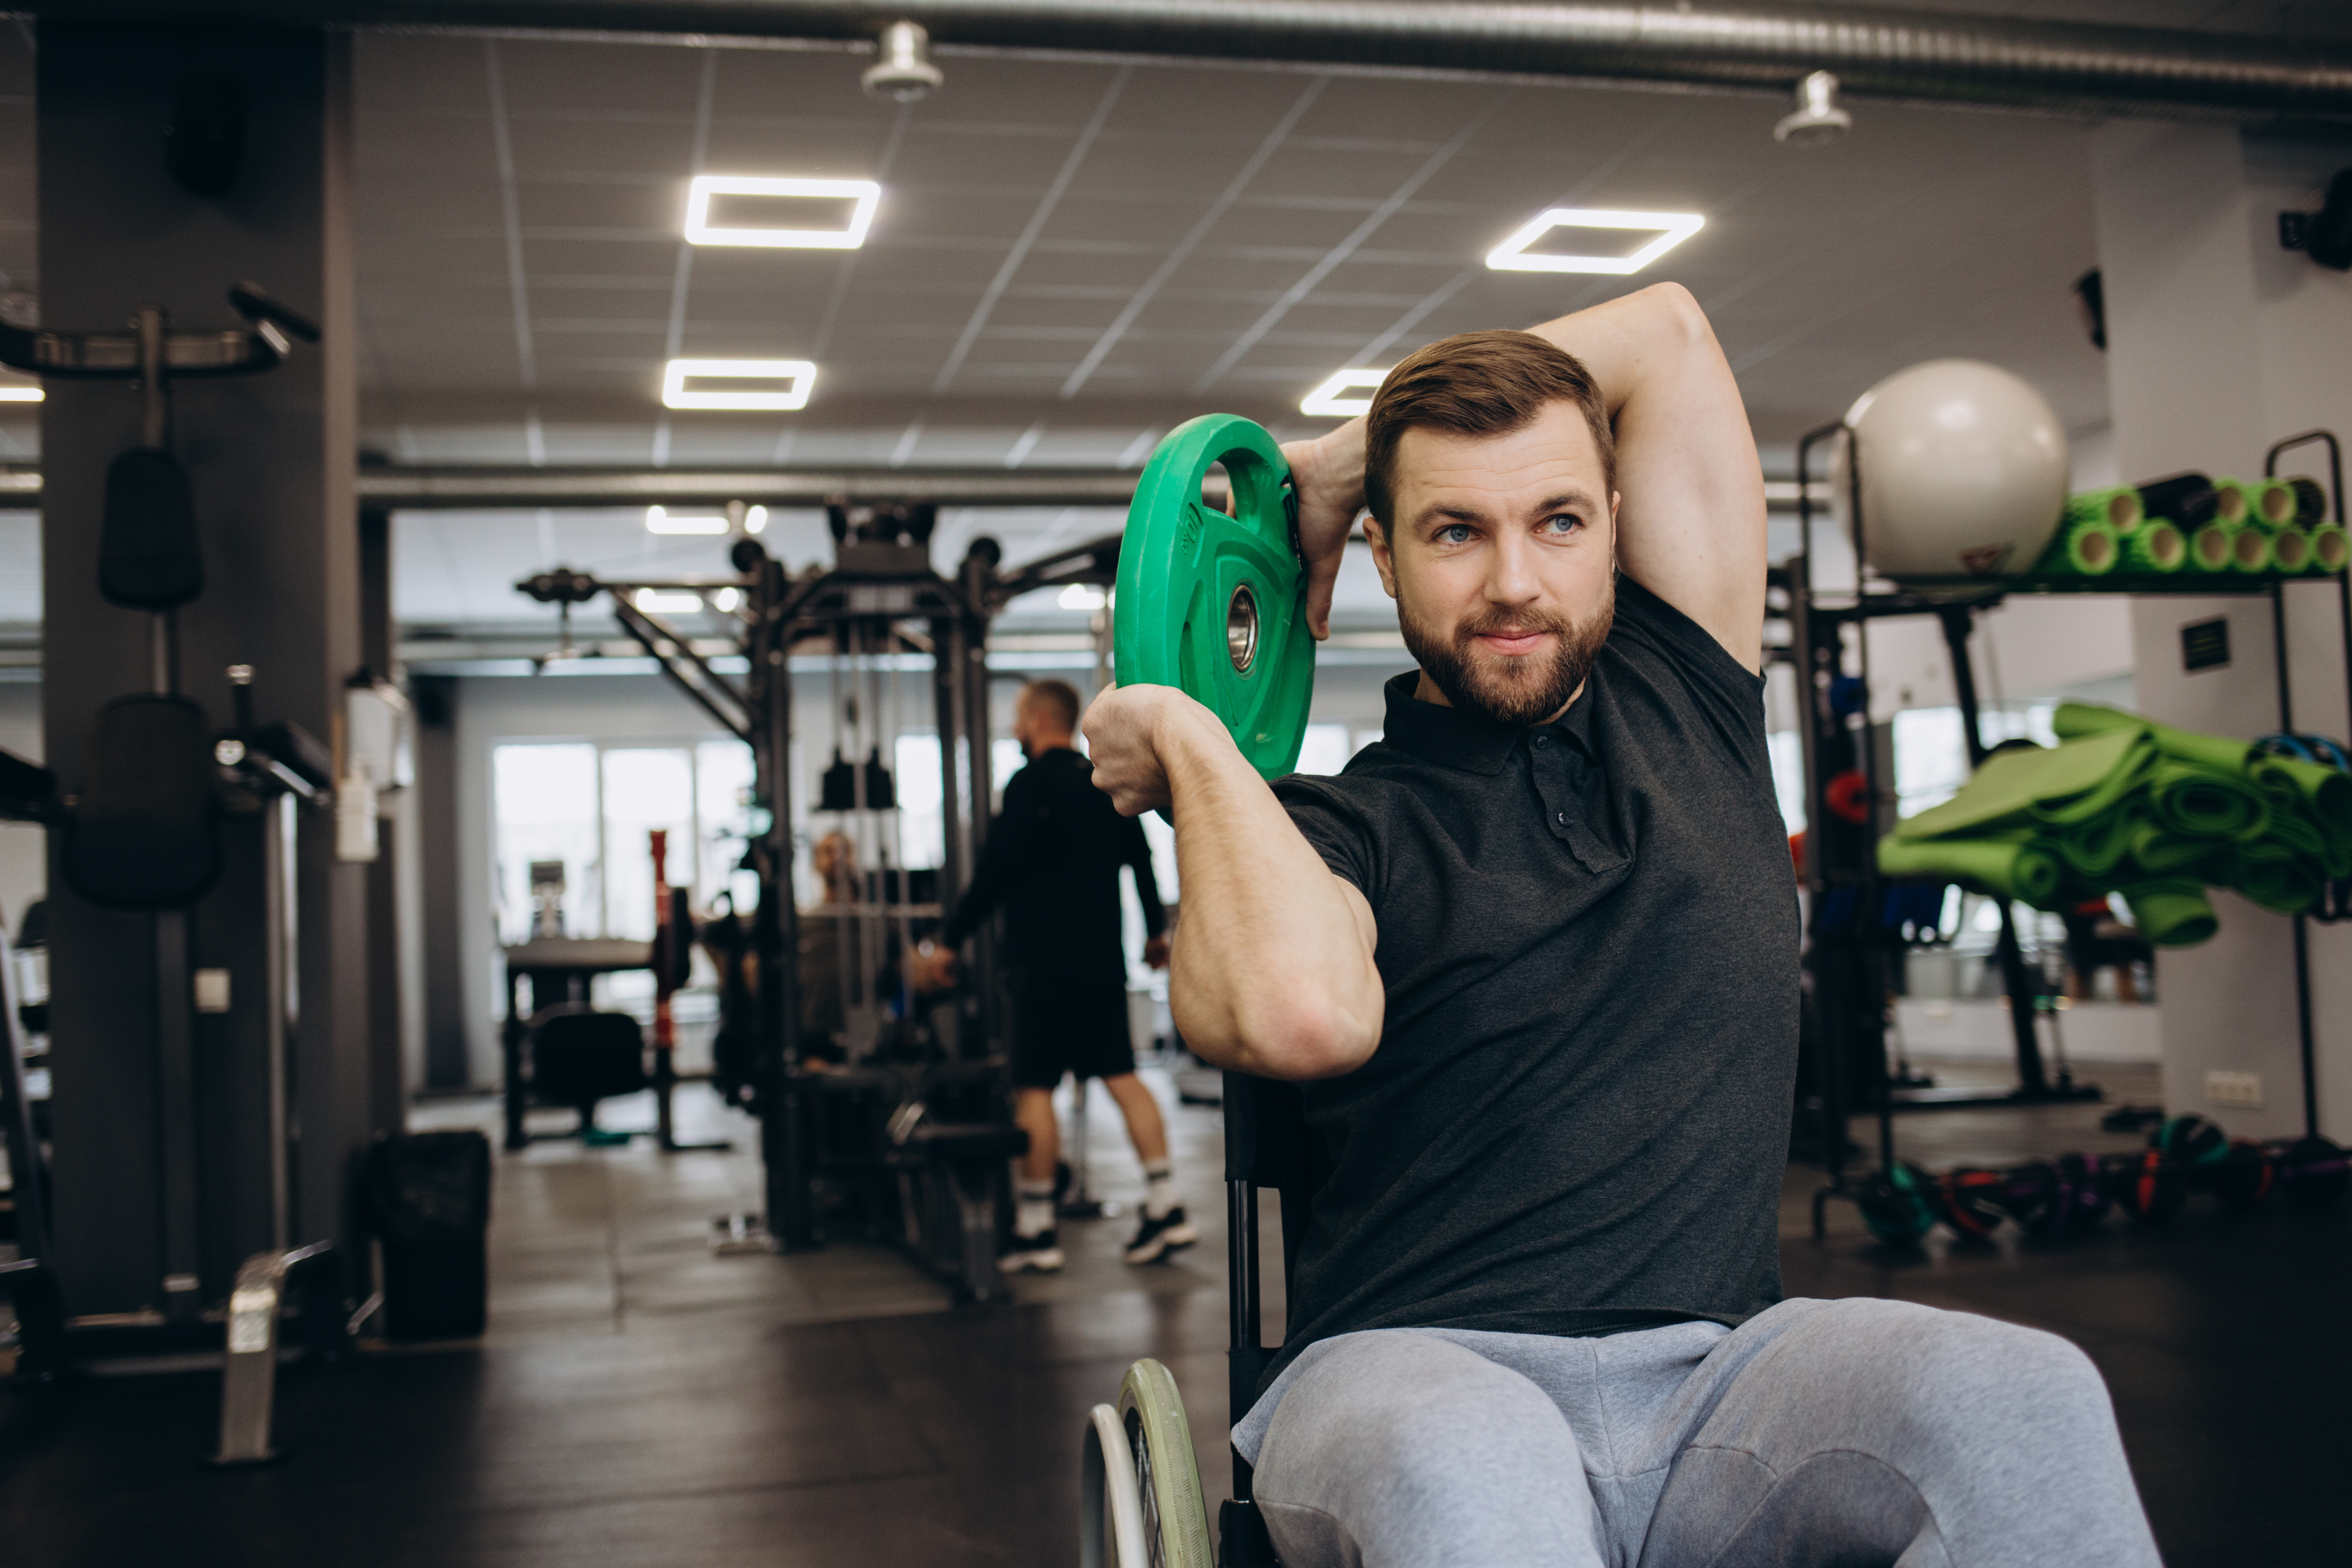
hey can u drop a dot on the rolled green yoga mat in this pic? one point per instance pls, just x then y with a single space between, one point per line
2329 548
2054 784
2209 805
2095 847
2155 545
2005 870
2276 878
2172 913
2077 718
2249 551
2290 552
2085 547
2118 507
2322 791
2160 852
2210 548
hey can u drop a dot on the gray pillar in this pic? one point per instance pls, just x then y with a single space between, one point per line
438 801
270 457
2220 342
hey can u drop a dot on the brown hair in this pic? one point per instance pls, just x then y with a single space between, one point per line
1057 699
1479 383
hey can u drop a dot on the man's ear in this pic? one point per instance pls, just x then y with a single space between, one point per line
1383 559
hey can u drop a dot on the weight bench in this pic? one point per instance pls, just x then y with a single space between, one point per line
1140 1504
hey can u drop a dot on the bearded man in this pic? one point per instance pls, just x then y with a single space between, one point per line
1533 958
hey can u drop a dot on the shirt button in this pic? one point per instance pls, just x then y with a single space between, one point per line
1543 740
1560 817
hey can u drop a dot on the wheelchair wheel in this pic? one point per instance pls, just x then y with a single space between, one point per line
1175 1522
1110 1509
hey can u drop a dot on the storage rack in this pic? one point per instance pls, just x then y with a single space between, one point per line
1849 994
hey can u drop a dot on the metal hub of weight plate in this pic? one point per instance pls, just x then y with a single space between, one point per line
1216 604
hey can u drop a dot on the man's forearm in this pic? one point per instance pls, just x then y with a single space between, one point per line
1272 972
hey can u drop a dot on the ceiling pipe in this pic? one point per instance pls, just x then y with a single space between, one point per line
1915 56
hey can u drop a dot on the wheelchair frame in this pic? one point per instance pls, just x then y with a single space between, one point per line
1146 1504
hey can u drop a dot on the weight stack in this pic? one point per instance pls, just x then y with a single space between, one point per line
429 1197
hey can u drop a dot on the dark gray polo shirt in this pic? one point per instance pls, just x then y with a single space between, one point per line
1577 1117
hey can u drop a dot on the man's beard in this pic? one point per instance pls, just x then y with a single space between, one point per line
1510 690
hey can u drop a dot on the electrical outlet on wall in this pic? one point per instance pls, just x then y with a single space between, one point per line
2239 1089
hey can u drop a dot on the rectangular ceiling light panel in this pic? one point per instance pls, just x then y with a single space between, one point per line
1671 229
787 200
769 384
18 392
1330 399
661 520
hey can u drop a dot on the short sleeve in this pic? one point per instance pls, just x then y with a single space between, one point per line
1727 697
1336 824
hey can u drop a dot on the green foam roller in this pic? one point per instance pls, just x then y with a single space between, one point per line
2273 503
2233 503
1213 603
2087 547
2119 507
2329 548
2290 552
2172 913
2155 546
2005 870
2249 551
2212 548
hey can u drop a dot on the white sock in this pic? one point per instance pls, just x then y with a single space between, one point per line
1034 1214
1158 1189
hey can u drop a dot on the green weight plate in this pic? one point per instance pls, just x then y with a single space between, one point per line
1216 604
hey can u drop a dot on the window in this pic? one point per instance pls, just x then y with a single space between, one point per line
592 808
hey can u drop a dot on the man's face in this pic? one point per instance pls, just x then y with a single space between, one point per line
1502 559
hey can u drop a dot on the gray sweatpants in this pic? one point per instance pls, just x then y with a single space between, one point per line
1851 1432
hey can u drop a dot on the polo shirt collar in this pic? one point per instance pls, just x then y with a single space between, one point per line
1455 738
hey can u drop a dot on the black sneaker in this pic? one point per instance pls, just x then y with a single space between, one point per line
1156 1238
1039 1254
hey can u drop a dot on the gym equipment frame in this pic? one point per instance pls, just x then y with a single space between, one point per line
1849 998
944 1146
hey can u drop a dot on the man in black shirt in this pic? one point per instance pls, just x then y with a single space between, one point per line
1052 860
1533 958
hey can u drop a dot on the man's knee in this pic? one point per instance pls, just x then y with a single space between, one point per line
1937 1378
1410 1448
1408 1418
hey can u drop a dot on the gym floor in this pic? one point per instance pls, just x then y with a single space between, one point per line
641 1401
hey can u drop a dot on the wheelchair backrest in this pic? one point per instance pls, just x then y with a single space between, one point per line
1268 1143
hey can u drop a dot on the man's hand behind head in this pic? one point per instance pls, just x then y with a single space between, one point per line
1328 475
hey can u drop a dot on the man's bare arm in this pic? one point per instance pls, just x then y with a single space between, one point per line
1273 971
1691 526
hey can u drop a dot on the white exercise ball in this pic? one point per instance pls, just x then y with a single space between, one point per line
1959 469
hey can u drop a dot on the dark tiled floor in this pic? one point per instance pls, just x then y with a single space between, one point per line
642 1402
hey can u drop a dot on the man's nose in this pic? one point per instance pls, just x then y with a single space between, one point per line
1511 576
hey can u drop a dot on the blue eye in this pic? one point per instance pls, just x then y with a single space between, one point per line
1454 534
1564 523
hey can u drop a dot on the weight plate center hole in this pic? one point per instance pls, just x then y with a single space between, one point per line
1241 628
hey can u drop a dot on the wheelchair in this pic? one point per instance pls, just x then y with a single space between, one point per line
1140 1504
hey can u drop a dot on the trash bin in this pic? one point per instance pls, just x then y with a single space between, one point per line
429 1195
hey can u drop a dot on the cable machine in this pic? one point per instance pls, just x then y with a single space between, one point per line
880 1111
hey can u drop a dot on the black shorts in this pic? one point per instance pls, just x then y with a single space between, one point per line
1059 1026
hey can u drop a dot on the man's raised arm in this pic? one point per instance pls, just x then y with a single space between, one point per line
1691 526
1272 972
